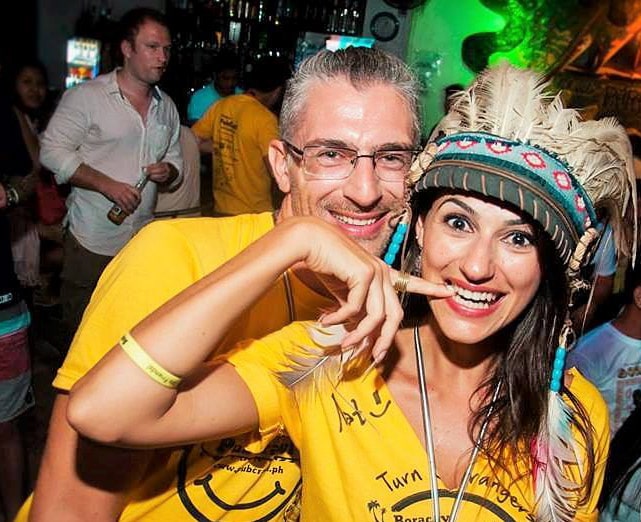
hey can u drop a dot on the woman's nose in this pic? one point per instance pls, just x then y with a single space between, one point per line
478 262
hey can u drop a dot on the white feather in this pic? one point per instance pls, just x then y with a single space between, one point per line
322 362
557 451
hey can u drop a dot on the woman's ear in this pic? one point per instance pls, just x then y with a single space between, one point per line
419 228
277 155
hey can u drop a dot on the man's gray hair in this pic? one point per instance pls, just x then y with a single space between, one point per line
362 67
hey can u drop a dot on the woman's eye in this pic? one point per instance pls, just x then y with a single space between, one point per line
520 239
458 223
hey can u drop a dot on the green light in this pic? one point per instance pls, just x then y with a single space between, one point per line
438 30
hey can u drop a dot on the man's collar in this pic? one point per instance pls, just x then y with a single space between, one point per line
114 88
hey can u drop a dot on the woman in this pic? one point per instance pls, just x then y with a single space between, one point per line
501 215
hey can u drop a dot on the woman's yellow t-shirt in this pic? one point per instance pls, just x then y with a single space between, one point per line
360 458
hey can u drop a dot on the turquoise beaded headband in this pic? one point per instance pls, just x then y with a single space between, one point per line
526 176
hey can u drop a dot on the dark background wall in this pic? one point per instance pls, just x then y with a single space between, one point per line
18 30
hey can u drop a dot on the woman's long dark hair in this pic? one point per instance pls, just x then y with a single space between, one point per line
524 367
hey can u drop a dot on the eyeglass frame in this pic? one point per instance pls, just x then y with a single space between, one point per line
301 153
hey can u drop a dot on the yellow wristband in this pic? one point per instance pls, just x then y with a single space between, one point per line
147 364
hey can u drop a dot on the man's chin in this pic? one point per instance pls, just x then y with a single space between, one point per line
375 246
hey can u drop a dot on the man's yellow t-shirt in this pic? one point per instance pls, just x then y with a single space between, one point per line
230 480
360 458
240 128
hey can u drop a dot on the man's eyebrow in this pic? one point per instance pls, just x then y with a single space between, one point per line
330 142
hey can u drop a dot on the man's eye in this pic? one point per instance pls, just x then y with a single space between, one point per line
332 155
329 153
393 159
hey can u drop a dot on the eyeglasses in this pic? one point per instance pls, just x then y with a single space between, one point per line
336 163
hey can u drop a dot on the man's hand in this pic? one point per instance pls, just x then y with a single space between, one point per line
3 197
362 284
124 195
162 173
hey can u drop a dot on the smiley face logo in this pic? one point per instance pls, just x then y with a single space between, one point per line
222 478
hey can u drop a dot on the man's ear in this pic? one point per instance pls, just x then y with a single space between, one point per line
277 155
126 49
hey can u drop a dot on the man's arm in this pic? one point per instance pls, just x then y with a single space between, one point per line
66 131
80 480
202 129
124 195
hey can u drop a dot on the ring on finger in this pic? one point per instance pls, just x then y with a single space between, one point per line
400 285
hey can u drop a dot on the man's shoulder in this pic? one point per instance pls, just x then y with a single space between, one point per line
225 235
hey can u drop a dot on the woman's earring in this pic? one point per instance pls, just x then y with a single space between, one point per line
398 238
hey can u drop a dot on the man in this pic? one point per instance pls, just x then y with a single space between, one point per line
104 136
224 84
359 99
610 355
238 130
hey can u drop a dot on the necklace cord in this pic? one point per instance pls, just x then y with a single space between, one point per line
427 424
429 438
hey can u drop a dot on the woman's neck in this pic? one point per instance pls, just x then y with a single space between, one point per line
447 362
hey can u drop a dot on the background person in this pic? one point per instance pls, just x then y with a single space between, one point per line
237 132
224 83
28 83
365 100
498 247
102 135
183 200
16 394
610 355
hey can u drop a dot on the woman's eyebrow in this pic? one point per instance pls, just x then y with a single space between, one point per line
459 203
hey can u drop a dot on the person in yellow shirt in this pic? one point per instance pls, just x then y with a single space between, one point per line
237 131
366 100
464 413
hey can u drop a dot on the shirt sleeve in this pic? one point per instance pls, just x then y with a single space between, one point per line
127 291
203 127
174 154
261 364
67 129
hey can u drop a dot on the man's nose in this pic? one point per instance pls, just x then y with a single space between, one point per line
363 186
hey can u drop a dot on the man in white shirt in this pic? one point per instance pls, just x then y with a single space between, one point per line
103 138
610 355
